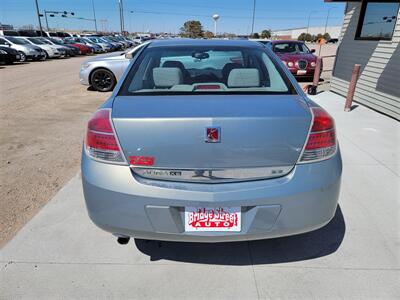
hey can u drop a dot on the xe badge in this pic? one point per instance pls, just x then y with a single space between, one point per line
213 135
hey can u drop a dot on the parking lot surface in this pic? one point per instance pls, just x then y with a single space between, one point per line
61 254
43 111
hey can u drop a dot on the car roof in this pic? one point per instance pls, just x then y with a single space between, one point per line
204 42
286 41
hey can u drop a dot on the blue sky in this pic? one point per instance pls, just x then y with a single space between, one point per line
169 15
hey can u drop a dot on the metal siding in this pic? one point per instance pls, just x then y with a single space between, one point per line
378 85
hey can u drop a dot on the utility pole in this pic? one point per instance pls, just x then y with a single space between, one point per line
121 15
254 15
38 15
123 18
94 16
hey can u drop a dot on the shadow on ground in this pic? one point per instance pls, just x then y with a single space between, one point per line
321 242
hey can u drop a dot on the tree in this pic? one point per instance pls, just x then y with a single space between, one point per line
255 35
208 34
305 37
302 37
266 34
327 36
192 29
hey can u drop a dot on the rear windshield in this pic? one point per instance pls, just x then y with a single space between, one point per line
292 48
187 70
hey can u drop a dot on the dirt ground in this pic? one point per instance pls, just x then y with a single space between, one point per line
43 113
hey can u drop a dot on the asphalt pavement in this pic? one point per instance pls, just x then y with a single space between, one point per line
61 254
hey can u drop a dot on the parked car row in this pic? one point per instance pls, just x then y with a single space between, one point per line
41 48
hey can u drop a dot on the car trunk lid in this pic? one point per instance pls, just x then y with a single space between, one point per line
261 136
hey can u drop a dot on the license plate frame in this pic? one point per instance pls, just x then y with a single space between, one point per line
301 72
213 219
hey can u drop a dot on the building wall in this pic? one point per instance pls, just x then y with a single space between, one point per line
379 84
334 31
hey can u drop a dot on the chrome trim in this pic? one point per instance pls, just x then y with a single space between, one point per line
303 61
211 175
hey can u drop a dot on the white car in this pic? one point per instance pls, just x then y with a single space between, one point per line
51 51
103 72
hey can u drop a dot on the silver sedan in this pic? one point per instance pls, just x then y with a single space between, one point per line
103 72
210 141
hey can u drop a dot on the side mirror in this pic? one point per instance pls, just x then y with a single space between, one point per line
128 55
312 51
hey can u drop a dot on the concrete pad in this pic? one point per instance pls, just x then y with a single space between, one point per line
127 281
61 254
326 283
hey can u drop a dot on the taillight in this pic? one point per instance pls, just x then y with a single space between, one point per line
101 142
321 141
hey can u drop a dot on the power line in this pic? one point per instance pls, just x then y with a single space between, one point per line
228 16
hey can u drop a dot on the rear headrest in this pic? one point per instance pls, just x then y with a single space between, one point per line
173 64
167 77
244 78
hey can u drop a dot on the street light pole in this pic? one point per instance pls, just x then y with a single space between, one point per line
309 18
38 15
130 22
94 16
326 27
327 19
254 14
47 22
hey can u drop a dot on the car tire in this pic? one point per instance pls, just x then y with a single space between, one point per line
102 80
22 56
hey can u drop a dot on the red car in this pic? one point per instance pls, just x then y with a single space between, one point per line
83 49
299 59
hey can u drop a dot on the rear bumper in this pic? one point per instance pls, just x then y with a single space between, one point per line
304 200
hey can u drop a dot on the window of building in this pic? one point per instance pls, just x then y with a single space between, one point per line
377 20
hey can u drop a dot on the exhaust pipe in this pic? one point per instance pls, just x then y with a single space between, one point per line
122 239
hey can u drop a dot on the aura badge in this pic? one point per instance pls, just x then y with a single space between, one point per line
213 135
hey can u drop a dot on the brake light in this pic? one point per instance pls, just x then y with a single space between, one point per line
101 142
321 142
141 160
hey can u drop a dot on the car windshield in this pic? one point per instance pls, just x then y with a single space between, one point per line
46 42
182 70
292 48
18 41
58 42
36 41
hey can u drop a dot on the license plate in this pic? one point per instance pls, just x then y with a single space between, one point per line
301 72
17 57
212 219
